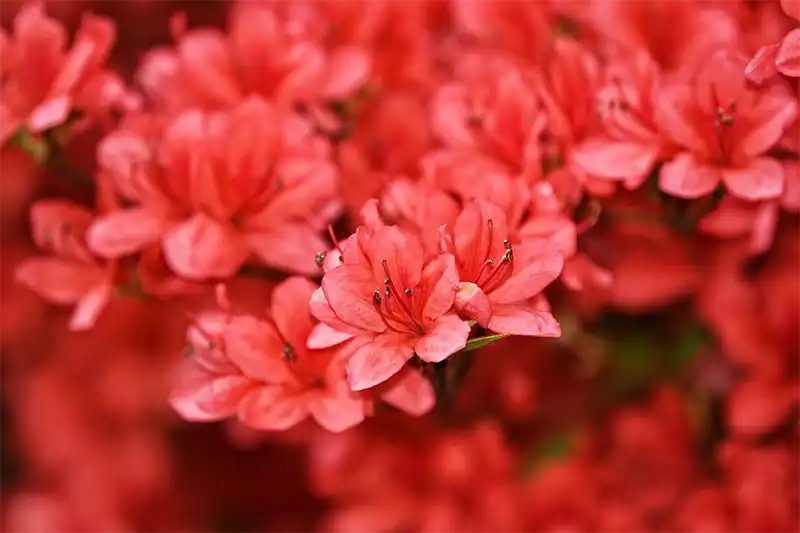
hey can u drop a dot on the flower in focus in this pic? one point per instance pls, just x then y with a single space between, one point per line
500 282
387 291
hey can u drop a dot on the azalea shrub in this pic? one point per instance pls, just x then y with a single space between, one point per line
375 265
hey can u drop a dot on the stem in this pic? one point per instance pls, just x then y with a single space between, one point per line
440 387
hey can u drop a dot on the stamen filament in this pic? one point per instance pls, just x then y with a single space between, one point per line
333 238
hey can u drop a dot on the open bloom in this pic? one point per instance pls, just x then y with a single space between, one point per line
72 275
500 282
725 128
281 51
493 110
43 83
631 143
220 187
259 369
387 292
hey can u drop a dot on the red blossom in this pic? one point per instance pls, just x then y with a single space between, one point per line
260 370
632 143
386 291
725 128
72 275
43 82
501 281
217 189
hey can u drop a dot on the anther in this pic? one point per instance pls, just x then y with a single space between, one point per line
376 297
320 259
289 353
408 292
509 254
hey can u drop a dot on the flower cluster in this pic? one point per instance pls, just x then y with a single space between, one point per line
551 244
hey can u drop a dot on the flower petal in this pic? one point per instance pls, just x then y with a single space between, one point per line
761 179
290 309
788 59
339 409
478 234
202 397
57 280
756 406
346 70
523 320
673 115
410 392
349 294
90 306
449 335
771 115
124 232
438 286
619 160
272 408
471 302
256 350
289 247
378 360
762 66
324 336
201 248
684 177
537 263
321 310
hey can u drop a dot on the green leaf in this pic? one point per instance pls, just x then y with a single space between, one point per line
480 342
554 448
686 347
35 146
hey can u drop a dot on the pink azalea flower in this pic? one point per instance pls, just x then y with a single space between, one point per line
43 83
631 143
387 292
72 275
499 282
725 128
260 370
270 49
219 188
493 109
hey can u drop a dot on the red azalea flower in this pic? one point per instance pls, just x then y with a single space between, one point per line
43 83
500 281
386 291
725 128
260 369
72 275
271 49
218 188
632 143
493 109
